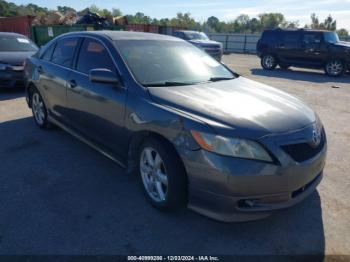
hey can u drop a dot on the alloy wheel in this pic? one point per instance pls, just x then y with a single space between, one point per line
154 175
269 61
335 67
38 109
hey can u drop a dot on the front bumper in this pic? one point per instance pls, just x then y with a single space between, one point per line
11 78
231 189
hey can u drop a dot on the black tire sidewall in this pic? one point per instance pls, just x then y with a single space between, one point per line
176 196
45 123
263 64
330 61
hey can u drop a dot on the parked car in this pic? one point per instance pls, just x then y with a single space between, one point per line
14 49
304 48
197 133
201 40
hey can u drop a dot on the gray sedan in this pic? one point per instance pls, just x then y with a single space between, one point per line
196 133
14 49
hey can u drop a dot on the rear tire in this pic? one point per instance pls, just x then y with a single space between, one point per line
335 68
162 175
268 62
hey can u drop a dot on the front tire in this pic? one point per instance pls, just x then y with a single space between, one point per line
162 175
268 62
39 110
334 68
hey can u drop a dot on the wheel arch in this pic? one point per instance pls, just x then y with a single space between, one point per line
136 141
29 91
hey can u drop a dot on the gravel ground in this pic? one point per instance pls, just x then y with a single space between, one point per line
58 196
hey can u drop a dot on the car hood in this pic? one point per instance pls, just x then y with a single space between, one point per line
238 107
14 58
343 44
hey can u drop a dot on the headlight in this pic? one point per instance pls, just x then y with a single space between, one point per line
236 147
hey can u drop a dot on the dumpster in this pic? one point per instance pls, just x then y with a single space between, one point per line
44 33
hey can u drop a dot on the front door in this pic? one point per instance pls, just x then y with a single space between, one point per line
97 109
314 50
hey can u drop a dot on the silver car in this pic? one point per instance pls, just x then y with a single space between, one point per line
196 133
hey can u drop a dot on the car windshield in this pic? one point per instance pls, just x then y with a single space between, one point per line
331 37
10 43
196 36
168 62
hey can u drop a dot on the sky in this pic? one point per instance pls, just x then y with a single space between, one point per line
223 9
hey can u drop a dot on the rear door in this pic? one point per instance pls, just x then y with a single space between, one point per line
289 47
96 110
53 73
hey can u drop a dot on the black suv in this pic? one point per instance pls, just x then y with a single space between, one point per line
304 48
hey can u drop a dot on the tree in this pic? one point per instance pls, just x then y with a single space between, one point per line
184 20
272 20
328 24
116 12
65 9
343 32
315 24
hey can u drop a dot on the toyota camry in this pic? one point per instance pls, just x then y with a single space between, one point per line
196 133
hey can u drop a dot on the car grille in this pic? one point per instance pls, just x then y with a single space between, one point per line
304 151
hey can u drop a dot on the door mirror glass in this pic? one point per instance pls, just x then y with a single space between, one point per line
102 75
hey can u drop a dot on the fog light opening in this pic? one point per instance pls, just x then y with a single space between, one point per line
247 203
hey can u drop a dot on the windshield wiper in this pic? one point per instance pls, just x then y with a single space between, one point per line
215 79
168 83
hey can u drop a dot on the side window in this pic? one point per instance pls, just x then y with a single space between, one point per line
64 52
48 53
93 55
291 39
311 38
270 37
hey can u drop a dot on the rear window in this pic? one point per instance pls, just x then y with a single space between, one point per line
16 43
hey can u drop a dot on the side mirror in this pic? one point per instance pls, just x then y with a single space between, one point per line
103 75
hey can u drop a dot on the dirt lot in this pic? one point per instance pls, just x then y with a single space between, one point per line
58 196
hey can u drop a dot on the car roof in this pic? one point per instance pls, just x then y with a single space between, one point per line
296 30
126 35
11 34
187 31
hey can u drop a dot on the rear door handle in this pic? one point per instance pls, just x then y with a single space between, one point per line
72 83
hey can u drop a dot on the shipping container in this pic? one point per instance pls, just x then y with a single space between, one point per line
17 24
